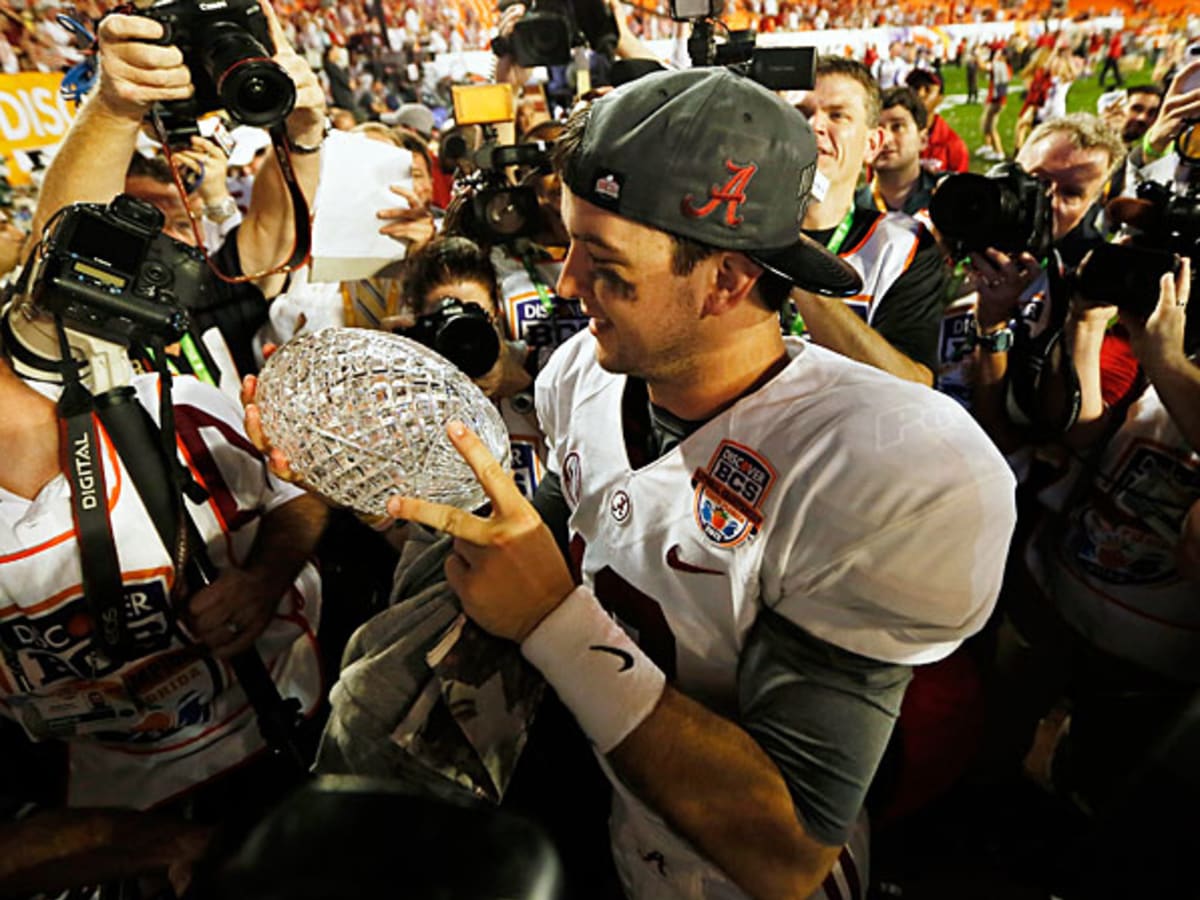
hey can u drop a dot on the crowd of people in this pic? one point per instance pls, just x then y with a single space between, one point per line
841 487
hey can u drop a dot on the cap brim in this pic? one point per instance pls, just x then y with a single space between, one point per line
809 265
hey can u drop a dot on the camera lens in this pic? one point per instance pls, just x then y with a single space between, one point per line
254 88
967 209
470 342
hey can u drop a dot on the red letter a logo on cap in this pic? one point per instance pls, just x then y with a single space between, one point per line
733 192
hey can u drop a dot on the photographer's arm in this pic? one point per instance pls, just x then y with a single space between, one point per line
1085 328
268 232
91 163
1158 344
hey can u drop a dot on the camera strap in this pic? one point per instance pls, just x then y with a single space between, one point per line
103 587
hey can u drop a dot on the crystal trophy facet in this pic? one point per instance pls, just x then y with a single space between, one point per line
361 416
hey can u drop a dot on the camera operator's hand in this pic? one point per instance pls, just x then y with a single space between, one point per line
1000 281
210 162
411 225
508 376
136 72
229 614
306 123
1157 341
1177 109
507 69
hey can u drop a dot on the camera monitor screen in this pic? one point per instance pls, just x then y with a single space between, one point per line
483 104
95 241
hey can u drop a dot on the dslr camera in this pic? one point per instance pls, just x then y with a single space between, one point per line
546 34
114 279
461 332
1007 209
227 47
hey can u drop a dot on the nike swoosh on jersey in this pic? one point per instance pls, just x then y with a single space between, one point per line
625 657
675 562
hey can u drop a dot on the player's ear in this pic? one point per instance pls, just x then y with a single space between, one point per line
733 278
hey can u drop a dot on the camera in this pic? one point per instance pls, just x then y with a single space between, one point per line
1161 227
493 210
114 279
461 332
227 47
545 35
775 68
1007 209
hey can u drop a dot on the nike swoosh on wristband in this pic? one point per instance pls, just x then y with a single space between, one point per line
675 562
624 656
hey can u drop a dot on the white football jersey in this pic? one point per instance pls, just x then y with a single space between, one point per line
872 512
1109 567
880 257
143 731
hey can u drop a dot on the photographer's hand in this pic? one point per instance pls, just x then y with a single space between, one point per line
210 162
1000 281
509 375
507 69
1158 344
135 71
411 225
1177 109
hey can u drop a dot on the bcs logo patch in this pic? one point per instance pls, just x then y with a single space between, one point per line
608 186
730 494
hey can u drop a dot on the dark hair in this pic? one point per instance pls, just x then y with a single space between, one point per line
855 71
906 97
1144 89
686 253
155 167
923 78
414 144
447 259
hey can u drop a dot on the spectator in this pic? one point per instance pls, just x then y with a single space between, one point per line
892 322
899 182
999 75
1133 119
1114 49
721 743
944 150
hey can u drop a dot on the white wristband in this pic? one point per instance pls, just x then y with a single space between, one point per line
601 675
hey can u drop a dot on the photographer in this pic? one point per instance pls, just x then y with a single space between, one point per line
135 72
1108 616
145 730
1073 157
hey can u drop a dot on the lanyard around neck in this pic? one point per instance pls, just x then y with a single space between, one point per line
839 236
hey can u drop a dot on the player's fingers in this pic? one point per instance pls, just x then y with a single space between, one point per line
249 389
506 498
441 517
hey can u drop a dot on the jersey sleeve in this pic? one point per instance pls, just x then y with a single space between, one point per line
910 313
824 716
915 516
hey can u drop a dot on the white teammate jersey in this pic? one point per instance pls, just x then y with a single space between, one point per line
1109 566
872 512
142 732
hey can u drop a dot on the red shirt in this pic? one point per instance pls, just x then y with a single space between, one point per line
945 148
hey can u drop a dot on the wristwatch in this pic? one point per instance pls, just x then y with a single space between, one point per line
998 341
303 149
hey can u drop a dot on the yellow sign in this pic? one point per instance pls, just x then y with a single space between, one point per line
32 113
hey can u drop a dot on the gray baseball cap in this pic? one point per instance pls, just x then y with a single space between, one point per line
709 155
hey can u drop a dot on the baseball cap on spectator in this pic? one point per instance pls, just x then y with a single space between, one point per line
414 116
247 141
709 155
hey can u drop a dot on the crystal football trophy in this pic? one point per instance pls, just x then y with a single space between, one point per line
361 416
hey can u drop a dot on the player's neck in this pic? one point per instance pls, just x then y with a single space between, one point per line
717 378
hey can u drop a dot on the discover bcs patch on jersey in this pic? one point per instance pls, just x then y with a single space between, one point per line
730 494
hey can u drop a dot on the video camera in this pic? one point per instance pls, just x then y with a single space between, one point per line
461 332
226 44
547 33
1007 209
494 210
114 279
775 68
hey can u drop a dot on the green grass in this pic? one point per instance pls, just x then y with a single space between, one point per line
965 118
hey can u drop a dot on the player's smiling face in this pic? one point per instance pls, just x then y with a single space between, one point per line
643 315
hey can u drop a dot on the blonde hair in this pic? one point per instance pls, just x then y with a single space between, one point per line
1085 132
